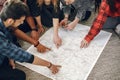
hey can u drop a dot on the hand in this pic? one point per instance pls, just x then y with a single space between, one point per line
34 35
41 48
84 44
64 22
57 41
55 68
40 29
71 26
12 63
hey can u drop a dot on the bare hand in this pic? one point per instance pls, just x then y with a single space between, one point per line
71 26
64 22
55 68
34 35
84 44
40 29
57 41
41 48
12 63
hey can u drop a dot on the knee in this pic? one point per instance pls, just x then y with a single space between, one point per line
21 75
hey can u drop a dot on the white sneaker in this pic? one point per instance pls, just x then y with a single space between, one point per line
117 30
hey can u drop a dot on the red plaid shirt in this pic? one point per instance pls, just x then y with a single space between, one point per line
104 12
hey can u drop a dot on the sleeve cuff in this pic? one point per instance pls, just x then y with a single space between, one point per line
12 29
88 39
31 59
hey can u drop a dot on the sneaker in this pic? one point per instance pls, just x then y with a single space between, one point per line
117 30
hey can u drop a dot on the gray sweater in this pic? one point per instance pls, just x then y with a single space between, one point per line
80 5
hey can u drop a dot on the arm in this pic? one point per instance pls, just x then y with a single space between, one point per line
20 34
41 48
30 21
52 67
66 10
34 32
38 20
96 27
57 39
35 12
80 13
55 26
97 24
13 52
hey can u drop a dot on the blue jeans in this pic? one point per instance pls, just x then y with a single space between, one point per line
111 22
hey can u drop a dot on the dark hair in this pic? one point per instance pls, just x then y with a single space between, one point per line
14 9
111 4
54 2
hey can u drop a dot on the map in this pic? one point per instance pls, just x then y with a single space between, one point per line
76 62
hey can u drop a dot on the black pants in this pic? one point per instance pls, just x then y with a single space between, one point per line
7 73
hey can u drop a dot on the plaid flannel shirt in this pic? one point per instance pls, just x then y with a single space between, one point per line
98 23
8 49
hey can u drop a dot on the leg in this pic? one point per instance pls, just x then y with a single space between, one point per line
7 73
12 74
111 23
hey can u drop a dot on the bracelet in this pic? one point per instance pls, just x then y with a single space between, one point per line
34 29
50 65
36 44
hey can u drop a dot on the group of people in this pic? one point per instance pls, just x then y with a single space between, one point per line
20 16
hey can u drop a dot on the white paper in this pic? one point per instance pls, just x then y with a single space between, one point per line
76 63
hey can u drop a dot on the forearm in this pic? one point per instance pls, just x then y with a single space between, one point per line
97 25
24 37
30 21
55 26
81 13
38 20
39 61
76 20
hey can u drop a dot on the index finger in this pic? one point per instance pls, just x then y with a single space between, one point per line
82 44
58 66
57 45
48 49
